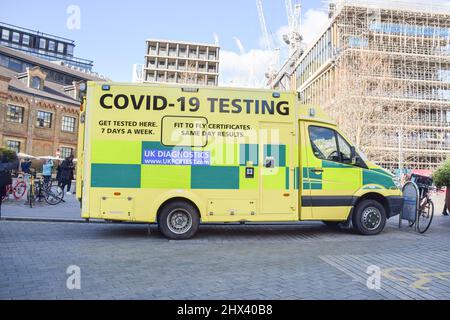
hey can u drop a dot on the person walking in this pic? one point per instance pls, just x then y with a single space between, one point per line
47 168
26 165
445 210
66 173
8 162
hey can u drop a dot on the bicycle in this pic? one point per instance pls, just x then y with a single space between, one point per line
426 206
53 194
18 189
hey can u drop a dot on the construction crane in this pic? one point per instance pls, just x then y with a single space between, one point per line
272 69
293 38
263 25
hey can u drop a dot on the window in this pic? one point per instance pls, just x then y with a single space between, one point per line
323 142
66 152
70 50
5 34
68 124
60 47
13 145
36 83
14 114
26 40
329 145
16 37
44 119
51 45
344 150
42 43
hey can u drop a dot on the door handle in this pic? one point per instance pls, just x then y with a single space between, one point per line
317 170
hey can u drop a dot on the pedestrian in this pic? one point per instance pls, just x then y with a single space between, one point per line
47 171
66 173
8 162
25 166
445 210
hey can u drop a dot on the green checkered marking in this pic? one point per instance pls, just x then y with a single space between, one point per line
248 152
311 180
377 177
278 152
219 177
115 175
118 164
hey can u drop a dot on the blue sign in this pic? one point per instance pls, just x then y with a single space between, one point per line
176 157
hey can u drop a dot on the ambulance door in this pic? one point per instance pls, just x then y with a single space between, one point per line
277 194
331 178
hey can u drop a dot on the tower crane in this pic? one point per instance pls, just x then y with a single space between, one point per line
293 38
263 25
267 41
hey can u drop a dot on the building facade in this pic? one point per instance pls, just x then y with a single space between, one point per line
42 45
181 62
39 104
382 70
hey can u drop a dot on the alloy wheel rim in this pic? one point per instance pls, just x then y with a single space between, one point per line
179 221
371 218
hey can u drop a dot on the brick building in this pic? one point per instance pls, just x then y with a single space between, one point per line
39 104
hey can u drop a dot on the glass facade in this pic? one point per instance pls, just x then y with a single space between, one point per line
316 57
42 45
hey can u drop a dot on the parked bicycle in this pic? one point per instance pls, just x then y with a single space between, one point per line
52 193
426 205
17 189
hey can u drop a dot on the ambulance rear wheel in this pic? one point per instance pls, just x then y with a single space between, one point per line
179 220
369 217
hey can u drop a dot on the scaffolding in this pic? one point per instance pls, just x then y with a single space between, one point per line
382 70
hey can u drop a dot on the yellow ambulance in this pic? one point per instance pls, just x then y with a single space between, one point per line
180 156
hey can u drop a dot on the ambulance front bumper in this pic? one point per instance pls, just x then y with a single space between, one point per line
395 204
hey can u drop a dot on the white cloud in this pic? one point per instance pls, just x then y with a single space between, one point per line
249 69
244 70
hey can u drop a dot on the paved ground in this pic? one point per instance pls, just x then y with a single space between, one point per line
304 261
70 209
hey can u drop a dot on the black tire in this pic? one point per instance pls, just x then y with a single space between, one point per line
369 217
425 217
178 220
53 195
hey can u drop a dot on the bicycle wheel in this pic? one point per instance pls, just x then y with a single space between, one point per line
53 195
425 217
19 190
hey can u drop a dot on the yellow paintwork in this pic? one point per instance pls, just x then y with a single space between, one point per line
272 195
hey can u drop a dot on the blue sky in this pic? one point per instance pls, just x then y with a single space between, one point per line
113 33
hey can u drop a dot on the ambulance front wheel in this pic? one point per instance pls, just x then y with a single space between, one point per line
369 217
178 220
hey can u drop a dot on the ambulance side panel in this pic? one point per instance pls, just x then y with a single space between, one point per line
247 167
